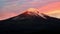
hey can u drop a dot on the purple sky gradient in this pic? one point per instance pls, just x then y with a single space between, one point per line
20 5
16 6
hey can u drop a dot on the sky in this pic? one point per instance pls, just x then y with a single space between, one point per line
9 8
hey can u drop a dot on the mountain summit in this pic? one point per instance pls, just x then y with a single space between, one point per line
31 11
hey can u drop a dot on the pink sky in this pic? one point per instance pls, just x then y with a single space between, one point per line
10 8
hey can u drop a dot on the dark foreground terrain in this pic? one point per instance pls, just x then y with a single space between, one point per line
25 23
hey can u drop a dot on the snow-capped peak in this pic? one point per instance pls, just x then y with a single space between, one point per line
31 11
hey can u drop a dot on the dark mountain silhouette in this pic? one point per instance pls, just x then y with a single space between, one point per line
30 22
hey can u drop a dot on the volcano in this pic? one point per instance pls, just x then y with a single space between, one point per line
30 22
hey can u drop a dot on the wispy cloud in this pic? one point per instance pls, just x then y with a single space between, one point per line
16 6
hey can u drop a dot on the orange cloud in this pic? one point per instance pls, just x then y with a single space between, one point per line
50 7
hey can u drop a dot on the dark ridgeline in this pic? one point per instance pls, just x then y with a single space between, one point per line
30 23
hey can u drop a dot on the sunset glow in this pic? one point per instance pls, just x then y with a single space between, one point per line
55 13
33 10
50 7
13 8
52 12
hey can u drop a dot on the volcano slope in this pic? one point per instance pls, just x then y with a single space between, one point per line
29 22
